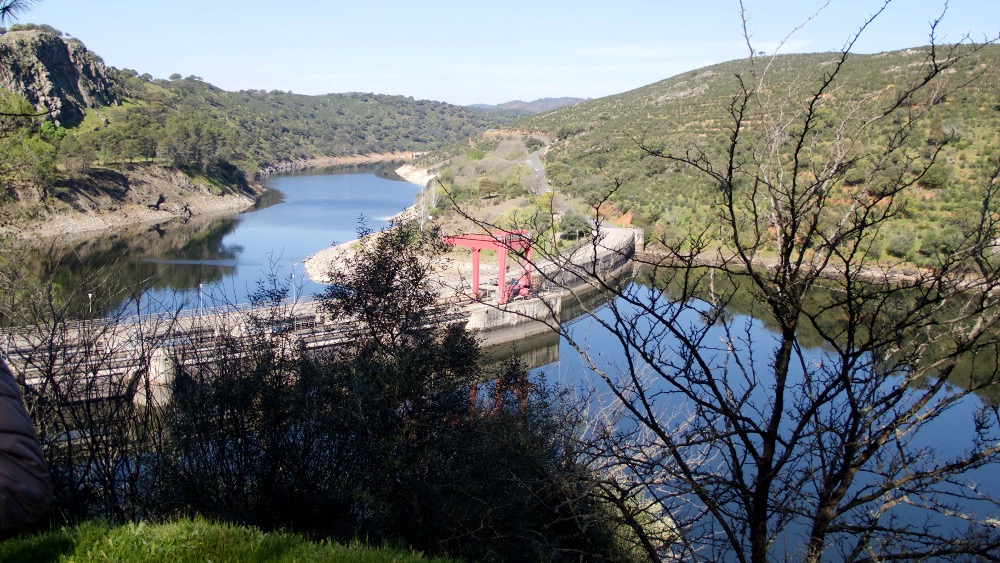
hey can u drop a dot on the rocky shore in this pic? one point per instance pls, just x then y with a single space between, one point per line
415 175
147 194
93 209
201 205
298 164
318 265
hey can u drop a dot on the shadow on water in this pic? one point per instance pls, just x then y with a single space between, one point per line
178 263
542 350
114 267
535 352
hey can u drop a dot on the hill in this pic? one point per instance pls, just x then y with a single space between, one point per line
105 118
541 105
597 144
519 108
58 74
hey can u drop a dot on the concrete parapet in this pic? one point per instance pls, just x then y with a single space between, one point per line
609 252
155 388
514 320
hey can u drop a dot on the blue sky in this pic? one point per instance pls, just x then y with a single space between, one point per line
467 52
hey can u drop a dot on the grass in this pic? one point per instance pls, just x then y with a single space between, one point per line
186 540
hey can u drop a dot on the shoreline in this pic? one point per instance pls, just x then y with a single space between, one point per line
318 264
415 175
81 225
73 220
335 161
150 195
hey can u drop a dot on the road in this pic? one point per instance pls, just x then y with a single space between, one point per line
535 161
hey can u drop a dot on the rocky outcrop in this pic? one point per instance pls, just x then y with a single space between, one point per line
56 75
106 199
284 167
415 175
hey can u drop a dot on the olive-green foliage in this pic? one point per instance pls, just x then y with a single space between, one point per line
378 438
187 540
494 166
598 141
900 243
254 128
533 143
27 158
32 26
574 225
937 177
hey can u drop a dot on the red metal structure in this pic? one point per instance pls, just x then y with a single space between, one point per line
502 242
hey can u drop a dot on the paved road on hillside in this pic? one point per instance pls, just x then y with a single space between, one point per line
535 161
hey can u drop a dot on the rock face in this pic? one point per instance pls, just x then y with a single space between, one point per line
105 199
56 75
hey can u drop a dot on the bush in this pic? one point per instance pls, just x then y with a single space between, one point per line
936 177
533 143
567 131
574 225
380 437
900 243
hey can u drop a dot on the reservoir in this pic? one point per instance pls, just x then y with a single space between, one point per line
304 213
206 262
222 260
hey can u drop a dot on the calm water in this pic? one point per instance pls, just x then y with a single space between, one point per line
184 264
301 215
317 210
948 435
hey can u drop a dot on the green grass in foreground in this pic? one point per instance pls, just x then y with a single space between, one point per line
185 540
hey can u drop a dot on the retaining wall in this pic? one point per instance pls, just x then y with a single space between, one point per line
607 256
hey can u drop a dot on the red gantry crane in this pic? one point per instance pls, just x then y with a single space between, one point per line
502 242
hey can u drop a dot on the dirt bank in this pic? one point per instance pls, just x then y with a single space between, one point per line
415 175
114 199
332 161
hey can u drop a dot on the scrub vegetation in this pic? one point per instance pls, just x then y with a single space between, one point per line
776 186
603 146
788 187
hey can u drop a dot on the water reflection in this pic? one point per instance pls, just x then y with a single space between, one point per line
738 352
219 259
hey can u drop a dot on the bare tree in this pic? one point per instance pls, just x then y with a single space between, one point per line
805 427
89 379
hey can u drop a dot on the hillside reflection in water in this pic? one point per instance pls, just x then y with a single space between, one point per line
222 259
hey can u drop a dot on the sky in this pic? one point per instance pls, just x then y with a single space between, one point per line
473 51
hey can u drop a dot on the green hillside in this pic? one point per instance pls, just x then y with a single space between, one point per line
599 143
86 115
261 128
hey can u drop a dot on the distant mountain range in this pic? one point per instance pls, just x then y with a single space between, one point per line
537 106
